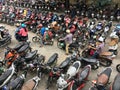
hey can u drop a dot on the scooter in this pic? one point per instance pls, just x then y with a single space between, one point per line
53 76
75 83
104 59
5 41
84 60
61 44
6 37
65 64
116 84
22 48
17 83
51 63
7 75
30 61
102 80
31 84
73 69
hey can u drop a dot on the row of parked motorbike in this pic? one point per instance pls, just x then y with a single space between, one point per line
82 9
66 76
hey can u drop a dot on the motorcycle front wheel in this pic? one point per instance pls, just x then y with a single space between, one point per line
59 45
118 67
35 39
94 67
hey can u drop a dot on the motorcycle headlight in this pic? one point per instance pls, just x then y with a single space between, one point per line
62 44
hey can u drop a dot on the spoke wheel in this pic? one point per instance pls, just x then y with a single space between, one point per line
34 39
118 67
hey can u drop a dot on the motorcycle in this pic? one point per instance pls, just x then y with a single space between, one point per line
17 83
53 76
22 48
32 83
51 63
76 83
6 37
73 69
12 54
65 64
61 44
102 80
103 59
7 75
30 61
115 85
38 38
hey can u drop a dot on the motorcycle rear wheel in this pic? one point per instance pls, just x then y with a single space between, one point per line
35 39
105 63
118 67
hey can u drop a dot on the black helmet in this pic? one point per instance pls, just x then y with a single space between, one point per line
55 69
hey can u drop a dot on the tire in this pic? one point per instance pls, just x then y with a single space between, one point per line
1 63
35 39
58 45
43 60
84 53
105 62
51 43
118 67
94 67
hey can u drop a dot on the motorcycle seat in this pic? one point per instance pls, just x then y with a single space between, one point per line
17 47
52 58
116 83
65 63
29 85
89 60
31 54
76 65
83 74
4 39
107 72
106 54
23 48
14 83
4 76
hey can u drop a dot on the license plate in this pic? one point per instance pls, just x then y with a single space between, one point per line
74 39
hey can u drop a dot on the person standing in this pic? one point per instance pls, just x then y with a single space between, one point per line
68 40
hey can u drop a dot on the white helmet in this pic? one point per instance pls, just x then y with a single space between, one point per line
114 36
101 39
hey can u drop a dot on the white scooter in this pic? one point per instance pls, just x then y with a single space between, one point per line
74 83
73 69
7 75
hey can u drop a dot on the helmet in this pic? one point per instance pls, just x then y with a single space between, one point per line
101 39
23 25
114 36
67 31
17 24
55 69
46 29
